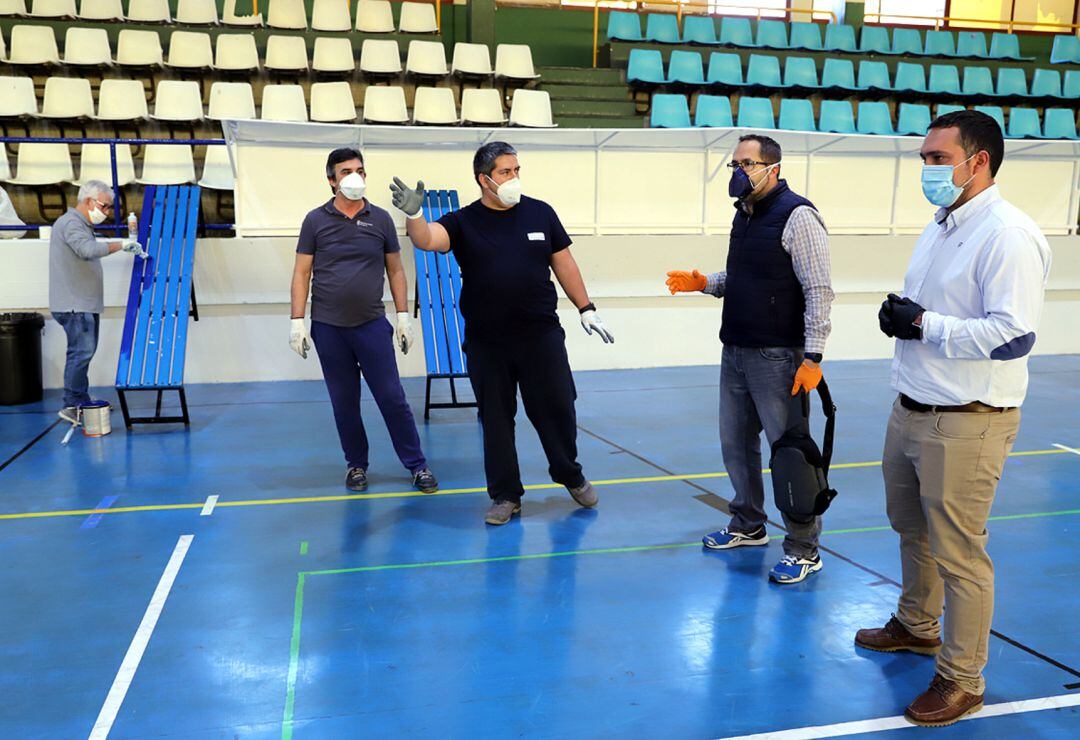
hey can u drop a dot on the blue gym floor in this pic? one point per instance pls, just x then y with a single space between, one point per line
303 611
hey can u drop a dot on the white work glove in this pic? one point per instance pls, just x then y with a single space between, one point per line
403 334
405 199
299 339
591 322
132 247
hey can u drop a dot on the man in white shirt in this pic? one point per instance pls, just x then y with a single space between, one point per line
965 325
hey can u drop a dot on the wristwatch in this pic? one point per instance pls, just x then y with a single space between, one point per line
813 356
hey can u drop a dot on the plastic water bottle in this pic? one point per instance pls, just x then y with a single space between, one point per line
133 226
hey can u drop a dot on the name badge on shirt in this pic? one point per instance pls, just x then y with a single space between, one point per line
536 236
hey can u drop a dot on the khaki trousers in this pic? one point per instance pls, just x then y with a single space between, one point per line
941 473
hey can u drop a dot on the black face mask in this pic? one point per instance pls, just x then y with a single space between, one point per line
740 186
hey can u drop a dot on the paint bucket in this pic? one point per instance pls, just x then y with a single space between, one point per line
96 418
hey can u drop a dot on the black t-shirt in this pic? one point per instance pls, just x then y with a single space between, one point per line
505 260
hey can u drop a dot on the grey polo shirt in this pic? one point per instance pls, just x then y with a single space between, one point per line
350 262
75 282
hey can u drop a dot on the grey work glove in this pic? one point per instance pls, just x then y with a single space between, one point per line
406 200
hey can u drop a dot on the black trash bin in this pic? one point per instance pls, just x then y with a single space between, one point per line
20 358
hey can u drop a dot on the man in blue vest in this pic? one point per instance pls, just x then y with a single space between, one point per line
778 293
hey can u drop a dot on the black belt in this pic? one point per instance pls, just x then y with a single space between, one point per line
975 407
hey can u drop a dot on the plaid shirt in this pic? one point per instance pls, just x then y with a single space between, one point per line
807 241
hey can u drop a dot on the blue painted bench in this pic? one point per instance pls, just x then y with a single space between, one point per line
438 293
152 349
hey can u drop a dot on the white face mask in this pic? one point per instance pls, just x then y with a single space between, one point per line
509 193
352 186
97 216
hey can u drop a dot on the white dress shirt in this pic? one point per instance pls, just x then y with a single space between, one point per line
980 272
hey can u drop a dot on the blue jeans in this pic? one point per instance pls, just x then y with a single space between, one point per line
82 340
347 352
755 395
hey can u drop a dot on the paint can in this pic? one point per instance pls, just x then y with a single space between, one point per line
96 418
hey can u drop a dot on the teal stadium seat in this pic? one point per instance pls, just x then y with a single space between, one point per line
874 76
1006 46
725 70
978 82
645 68
840 37
1059 123
806 36
756 113
944 80
994 112
875 40
669 111
1011 82
1066 50
909 78
907 41
801 73
623 26
940 44
713 111
839 74
944 108
971 44
772 34
1046 83
662 28
796 114
685 68
836 117
736 32
1071 87
1024 124
874 118
763 72
913 119
699 29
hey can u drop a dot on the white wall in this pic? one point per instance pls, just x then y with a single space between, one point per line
242 288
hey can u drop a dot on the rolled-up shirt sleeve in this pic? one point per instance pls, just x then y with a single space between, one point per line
807 241
1012 279
83 243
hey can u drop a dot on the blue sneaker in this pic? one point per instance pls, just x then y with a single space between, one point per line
791 569
725 540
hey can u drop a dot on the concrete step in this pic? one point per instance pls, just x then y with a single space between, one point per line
600 121
612 93
580 76
599 108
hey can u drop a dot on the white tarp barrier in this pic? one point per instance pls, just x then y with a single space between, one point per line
632 181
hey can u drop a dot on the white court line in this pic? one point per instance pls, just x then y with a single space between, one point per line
899 723
208 507
1073 450
124 676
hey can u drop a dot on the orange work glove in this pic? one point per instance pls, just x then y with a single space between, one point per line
807 377
681 281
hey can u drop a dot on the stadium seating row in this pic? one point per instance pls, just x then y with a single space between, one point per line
773 34
685 68
180 102
35 46
372 16
838 116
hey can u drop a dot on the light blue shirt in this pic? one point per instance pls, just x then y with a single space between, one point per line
980 272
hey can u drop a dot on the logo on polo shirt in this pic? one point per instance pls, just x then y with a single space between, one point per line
536 236
363 223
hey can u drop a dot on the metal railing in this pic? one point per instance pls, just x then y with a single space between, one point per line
939 21
119 225
697 7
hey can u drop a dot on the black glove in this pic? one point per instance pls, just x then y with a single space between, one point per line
884 317
903 312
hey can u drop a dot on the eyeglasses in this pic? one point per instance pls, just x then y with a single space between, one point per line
745 164
104 206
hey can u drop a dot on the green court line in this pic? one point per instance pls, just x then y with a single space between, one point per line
298 604
294 660
303 547
417 494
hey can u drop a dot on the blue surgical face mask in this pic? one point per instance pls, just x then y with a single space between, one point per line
938 185
740 185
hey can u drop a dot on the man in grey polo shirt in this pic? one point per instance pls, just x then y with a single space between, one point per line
346 247
76 287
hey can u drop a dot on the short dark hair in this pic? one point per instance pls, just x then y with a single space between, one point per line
978 132
770 148
483 162
343 154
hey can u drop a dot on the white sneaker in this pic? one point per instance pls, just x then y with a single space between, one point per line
70 414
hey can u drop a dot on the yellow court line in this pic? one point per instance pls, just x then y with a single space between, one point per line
418 494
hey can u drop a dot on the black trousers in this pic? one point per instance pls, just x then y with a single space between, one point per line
540 368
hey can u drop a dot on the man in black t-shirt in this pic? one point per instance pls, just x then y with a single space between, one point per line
507 245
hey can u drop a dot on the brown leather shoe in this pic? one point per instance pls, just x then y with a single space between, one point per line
894 637
942 704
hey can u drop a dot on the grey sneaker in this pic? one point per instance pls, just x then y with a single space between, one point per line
584 494
501 511
70 414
